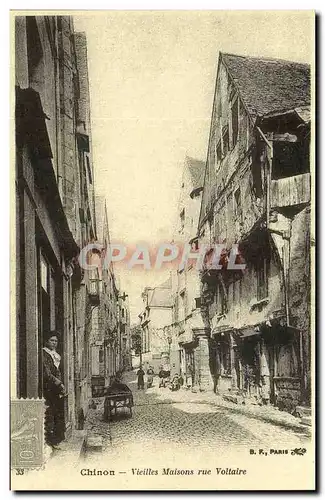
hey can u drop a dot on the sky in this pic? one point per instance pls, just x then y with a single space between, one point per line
152 77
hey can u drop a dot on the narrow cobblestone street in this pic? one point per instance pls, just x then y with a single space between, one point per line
170 425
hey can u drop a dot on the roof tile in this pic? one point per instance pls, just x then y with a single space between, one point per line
268 85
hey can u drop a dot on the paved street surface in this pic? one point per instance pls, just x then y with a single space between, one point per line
167 427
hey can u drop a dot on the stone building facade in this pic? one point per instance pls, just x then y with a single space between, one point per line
110 341
193 351
55 214
156 320
125 333
257 195
104 342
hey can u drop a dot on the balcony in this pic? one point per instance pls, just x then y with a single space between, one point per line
290 191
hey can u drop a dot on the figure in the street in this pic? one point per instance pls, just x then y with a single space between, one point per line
217 373
181 380
175 383
161 377
117 386
190 375
150 374
265 387
140 374
164 376
53 391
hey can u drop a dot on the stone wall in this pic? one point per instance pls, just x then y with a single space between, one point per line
288 392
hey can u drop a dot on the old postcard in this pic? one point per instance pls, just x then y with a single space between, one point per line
162 188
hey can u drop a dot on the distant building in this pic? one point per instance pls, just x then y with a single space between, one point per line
257 194
156 322
104 340
125 333
187 310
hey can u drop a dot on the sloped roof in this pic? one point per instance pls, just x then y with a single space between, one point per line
196 169
161 295
166 284
268 85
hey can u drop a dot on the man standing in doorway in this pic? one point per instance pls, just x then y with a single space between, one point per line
53 391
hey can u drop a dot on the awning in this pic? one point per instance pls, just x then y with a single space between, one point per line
31 130
221 329
249 331
30 123
190 344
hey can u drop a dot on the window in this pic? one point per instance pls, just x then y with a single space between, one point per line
216 229
82 215
234 122
234 292
261 274
197 302
182 313
89 170
35 55
212 154
76 85
289 159
224 348
221 300
222 222
182 217
230 212
101 356
44 275
237 202
219 152
247 130
225 140
212 151
45 296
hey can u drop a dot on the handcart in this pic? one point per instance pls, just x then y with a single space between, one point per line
116 401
